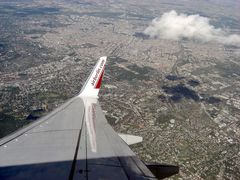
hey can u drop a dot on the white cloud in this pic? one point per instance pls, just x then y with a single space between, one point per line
174 26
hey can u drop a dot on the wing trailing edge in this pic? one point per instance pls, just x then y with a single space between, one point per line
93 83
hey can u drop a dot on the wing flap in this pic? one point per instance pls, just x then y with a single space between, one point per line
130 139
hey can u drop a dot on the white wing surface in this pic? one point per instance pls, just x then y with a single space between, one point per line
72 142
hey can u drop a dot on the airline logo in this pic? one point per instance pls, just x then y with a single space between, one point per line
98 75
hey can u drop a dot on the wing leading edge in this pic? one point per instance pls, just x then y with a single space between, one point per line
74 141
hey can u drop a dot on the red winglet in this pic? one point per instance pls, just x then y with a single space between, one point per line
98 85
93 83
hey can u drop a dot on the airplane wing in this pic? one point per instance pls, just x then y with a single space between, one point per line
72 142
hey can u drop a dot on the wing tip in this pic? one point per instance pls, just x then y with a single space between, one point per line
93 83
103 58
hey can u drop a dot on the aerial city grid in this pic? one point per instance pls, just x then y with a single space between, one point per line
178 89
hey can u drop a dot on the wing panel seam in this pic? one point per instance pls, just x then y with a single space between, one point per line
73 167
